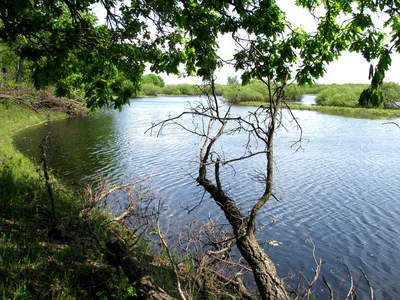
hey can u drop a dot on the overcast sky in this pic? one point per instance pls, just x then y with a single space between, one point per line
350 68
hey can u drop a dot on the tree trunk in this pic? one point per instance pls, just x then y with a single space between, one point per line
269 284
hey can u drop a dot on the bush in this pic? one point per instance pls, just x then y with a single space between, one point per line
341 95
150 90
153 79
391 92
349 94
237 93
314 89
181 89
257 91
293 92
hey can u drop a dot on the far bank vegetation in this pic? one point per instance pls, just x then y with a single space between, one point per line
341 95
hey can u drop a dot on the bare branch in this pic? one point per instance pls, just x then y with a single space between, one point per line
371 290
393 123
331 297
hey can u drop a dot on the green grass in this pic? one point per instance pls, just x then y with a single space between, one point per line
355 112
32 263
37 262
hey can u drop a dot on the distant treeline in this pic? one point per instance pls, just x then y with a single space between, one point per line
344 95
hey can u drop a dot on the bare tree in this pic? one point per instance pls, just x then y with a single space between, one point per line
216 120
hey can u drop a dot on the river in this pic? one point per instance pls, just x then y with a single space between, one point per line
342 189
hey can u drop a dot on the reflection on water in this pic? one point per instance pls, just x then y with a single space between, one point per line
342 190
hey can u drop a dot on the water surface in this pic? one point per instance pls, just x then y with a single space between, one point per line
342 189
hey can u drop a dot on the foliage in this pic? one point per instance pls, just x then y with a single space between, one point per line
8 61
150 89
61 39
180 90
153 79
391 92
351 112
340 95
68 50
233 80
348 94
258 91
313 89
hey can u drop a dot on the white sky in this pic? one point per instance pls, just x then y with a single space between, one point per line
350 68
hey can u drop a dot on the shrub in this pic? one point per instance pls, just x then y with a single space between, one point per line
237 93
257 91
391 92
314 89
293 92
181 89
341 95
153 79
150 90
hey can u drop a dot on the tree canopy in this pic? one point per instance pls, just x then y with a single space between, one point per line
69 50
153 79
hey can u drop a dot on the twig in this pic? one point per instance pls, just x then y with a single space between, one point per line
329 287
170 257
371 290
393 123
49 184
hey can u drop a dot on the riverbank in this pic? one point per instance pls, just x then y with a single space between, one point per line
42 257
82 253
355 112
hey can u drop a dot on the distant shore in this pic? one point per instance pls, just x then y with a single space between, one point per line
337 110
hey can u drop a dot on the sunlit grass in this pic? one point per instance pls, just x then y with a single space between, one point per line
34 264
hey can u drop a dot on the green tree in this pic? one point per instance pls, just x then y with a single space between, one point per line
233 80
153 79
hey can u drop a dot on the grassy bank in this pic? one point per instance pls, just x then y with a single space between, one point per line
34 263
42 258
84 253
356 112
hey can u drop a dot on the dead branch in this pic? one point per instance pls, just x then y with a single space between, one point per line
235 282
170 257
95 198
371 290
209 245
392 123
317 271
331 297
351 291
49 184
